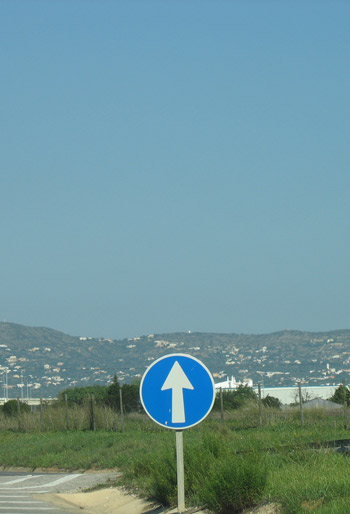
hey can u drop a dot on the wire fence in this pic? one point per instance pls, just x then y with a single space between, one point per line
92 415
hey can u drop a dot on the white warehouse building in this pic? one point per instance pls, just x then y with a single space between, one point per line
286 395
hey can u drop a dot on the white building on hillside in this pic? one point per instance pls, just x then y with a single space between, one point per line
232 384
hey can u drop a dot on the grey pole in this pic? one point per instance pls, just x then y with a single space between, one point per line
7 386
41 415
19 414
260 412
121 408
92 420
66 406
222 406
180 471
301 406
344 404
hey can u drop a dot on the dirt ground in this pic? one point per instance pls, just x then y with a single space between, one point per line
108 501
116 501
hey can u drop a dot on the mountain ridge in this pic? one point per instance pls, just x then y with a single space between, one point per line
46 360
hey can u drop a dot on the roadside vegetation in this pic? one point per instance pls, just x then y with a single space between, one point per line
230 464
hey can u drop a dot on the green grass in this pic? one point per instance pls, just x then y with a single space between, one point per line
75 449
306 481
301 479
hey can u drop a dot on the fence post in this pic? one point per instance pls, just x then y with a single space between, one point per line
41 415
92 418
344 404
19 414
301 406
67 416
222 406
121 408
260 410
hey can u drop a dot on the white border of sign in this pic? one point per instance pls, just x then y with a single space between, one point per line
188 357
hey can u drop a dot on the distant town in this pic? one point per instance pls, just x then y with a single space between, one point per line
41 361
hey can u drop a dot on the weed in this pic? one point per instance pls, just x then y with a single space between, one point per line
227 466
232 484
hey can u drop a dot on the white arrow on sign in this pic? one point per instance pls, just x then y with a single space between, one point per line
177 381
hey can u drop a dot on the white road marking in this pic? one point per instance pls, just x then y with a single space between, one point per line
29 508
19 495
28 477
16 501
47 484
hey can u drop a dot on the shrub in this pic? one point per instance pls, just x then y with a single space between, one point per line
163 479
237 398
113 394
271 402
79 395
215 477
131 397
10 408
341 395
232 484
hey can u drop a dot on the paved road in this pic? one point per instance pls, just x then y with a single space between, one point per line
17 490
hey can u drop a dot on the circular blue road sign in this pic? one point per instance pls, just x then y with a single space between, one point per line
177 391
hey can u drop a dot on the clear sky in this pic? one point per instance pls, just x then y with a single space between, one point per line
175 165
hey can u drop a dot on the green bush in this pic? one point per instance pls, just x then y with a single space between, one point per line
233 483
271 402
108 396
10 408
113 394
131 397
162 485
215 477
79 395
235 399
341 395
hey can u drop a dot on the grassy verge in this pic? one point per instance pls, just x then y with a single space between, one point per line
75 449
228 466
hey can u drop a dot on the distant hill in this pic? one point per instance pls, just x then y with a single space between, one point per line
51 361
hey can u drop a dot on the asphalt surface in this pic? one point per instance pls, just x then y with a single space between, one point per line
19 491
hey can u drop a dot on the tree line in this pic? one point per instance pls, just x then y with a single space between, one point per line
109 396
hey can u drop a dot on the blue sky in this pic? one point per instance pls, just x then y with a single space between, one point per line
174 165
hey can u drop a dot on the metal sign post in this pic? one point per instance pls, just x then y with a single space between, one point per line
180 467
177 391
